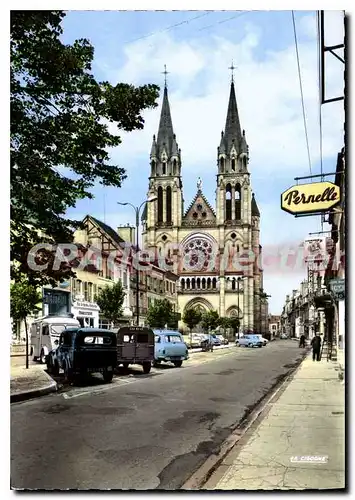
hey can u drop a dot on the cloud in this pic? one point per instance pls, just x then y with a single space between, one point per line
268 95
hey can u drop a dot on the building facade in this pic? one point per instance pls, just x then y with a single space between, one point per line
207 243
274 324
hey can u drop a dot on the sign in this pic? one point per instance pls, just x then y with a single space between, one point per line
310 198
84 313
86 305
315 250
337 288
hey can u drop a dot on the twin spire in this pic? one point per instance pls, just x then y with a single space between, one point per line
232 135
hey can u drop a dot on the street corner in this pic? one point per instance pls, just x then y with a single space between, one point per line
29 383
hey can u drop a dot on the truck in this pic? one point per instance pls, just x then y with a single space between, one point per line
45 331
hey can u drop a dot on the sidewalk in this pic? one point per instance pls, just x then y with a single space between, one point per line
306 420
30 383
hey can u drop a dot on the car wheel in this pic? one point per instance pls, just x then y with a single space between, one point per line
108 376
55 368
42 358
177 364
237 344
250 345
68 374
147 367
125 366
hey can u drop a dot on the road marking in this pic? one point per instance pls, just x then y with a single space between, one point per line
97 391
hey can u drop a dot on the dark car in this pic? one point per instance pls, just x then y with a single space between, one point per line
135 345
84 350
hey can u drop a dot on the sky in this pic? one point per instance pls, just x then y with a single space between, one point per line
198 48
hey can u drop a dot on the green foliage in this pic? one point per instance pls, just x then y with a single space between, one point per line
24 300
160 313
110 300
191 317
234 323
224 322
63 122
210 320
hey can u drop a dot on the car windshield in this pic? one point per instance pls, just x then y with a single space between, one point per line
173 338
57 329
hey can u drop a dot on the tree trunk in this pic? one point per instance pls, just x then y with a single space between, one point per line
26 343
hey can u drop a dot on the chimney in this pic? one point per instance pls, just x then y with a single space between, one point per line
127 233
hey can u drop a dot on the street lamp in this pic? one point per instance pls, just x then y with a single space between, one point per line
137 212
239 280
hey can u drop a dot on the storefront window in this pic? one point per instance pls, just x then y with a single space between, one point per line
104 323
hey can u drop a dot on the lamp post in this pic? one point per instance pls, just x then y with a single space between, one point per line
137 212
239 280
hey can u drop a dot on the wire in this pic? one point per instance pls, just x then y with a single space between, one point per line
319 94
322 219
225 20
301 89
168 28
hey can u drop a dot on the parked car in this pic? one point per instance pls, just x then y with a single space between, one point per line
84 350
135 346
170 347
249 341
222 340
263 339
195 340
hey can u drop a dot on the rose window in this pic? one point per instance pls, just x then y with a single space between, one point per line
197 254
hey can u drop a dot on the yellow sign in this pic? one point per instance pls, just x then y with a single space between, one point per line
310 198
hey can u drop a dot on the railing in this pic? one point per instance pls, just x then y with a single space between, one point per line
202 222
197 290
164 224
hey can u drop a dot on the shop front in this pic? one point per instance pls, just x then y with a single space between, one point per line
87 313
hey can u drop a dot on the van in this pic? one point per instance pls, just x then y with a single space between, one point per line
45 331
169 347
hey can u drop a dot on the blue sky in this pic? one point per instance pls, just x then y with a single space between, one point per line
198 47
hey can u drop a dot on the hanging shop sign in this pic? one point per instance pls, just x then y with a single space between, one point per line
337 288
316 197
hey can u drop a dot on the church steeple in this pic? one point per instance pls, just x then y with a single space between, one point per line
233 149
165 132
232 131
165 153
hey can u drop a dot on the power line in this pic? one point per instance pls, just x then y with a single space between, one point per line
301 89
241 13
319 94
168 28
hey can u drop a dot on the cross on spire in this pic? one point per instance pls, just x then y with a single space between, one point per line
165 73
232 68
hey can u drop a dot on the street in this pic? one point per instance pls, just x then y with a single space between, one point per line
149 432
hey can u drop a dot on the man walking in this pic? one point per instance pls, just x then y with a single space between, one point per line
316 346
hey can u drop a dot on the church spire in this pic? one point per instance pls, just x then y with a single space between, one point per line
232 132
165 132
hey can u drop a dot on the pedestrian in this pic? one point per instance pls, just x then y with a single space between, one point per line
302 341
316 346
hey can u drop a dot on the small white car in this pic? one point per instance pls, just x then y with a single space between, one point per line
249 340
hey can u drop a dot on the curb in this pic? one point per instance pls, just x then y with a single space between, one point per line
35 393
200 477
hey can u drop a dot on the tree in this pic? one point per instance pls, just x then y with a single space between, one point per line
110 301
210 320
160 313
191 318
62 123
24 301
234 323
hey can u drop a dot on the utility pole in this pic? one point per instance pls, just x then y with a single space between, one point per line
137 212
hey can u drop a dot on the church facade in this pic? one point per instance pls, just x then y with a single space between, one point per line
216 249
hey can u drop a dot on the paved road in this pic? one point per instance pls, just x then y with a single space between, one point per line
147 432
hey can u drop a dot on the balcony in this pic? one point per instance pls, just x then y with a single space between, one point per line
197 291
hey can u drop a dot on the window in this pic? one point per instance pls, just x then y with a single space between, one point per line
157 339
168 205
90 290
173 338
233 164
164 168
45 330
86 290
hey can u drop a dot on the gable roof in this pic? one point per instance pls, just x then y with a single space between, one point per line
108 230
203 200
